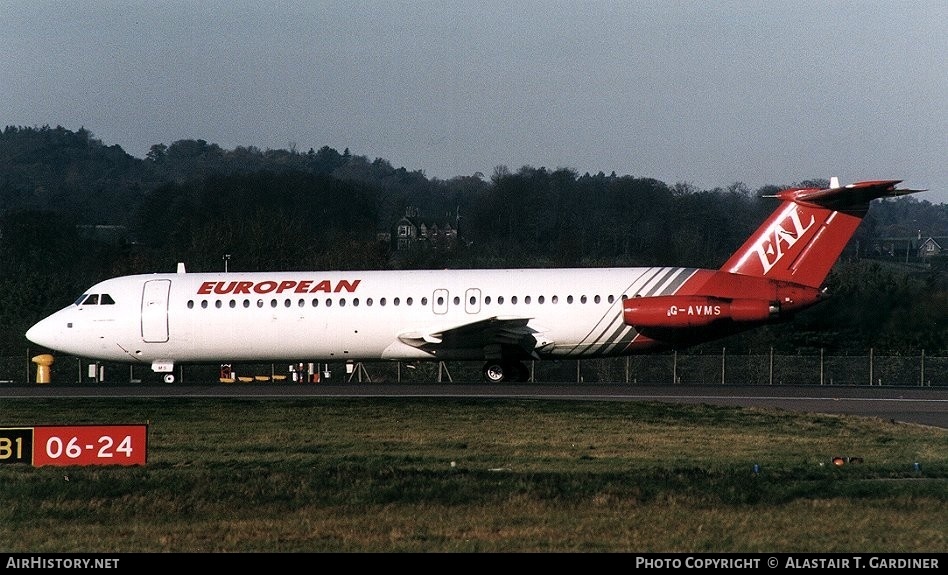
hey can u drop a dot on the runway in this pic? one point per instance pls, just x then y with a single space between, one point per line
913 405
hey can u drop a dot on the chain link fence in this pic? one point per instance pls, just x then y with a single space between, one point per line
675 368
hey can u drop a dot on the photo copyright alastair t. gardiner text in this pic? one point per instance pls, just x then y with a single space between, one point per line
788 561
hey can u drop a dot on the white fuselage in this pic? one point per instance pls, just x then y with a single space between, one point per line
359 315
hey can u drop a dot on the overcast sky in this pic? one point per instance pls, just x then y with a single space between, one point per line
706 92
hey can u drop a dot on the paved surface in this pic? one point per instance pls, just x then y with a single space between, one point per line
916 405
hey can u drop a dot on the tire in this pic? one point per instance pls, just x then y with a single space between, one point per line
494 372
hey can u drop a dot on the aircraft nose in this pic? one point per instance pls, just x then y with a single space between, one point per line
43 333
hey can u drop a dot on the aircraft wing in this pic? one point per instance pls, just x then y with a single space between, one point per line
489 333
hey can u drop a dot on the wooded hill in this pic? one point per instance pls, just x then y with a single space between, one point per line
74 211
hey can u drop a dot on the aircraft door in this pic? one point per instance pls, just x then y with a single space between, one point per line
155 311
472 300
439 301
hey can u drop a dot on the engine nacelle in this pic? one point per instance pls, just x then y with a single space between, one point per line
695 311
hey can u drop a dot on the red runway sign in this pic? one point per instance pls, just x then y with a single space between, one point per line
75 445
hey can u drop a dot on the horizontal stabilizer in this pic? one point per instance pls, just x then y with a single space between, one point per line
846 198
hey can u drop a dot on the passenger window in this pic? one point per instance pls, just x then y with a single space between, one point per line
217 304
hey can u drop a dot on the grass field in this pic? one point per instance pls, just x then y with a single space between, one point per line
479 475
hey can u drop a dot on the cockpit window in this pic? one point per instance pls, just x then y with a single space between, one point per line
95 299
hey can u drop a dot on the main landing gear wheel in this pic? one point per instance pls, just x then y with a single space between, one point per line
494 372
169 378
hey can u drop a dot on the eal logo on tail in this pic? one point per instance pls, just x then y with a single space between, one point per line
780 238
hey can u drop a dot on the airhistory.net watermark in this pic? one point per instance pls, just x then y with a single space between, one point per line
41 562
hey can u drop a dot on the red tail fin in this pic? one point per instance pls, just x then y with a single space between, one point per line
804 237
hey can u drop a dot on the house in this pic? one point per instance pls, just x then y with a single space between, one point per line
413 234
931 247
908 246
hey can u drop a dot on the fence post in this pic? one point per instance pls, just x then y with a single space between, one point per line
674 367
870 367
722 364
821 366
922 380
771 365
